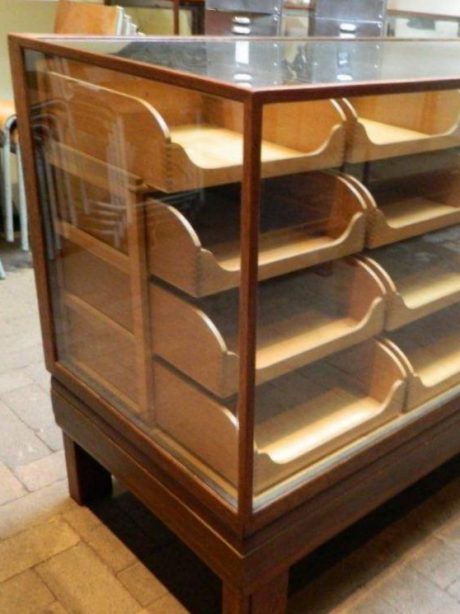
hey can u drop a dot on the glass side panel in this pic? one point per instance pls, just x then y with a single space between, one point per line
290 61
140 190
358 321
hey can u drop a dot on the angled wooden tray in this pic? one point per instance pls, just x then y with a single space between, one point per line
401 124
421 275
173 151
431 350
301 318
328 222
406 207
300 417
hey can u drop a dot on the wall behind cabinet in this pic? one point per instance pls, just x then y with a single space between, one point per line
22 16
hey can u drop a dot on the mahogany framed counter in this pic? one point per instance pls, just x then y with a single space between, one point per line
249 310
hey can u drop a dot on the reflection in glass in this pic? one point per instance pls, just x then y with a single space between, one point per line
125 178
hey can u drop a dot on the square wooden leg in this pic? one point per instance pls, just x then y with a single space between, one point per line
88 480
270 598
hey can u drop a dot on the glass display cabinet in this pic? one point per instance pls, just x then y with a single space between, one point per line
247 256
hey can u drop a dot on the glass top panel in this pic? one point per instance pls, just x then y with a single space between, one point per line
287 62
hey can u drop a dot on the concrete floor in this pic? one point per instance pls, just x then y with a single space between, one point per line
117 558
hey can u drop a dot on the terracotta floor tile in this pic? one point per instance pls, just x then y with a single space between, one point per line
109 548
25 593
41 473
18 444
10 487
33 546
82 520
167 604
34 508
142 584
82 583
31 404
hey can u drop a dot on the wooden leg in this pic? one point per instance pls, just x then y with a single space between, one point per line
88 480
270 598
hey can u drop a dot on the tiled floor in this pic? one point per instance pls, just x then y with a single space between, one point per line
117 558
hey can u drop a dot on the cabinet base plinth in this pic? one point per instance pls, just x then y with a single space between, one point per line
271 597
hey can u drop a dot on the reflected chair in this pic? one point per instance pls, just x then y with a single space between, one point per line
71 18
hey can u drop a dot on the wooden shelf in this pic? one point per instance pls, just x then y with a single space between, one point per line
96 282
401 124
301 318
197 140
410 206
98 345
421 275
311 218
300 417
431 350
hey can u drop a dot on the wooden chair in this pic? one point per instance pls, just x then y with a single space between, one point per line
71 18
91 19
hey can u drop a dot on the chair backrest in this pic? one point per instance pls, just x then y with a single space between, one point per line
88 18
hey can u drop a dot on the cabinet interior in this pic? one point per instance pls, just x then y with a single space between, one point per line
358 262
